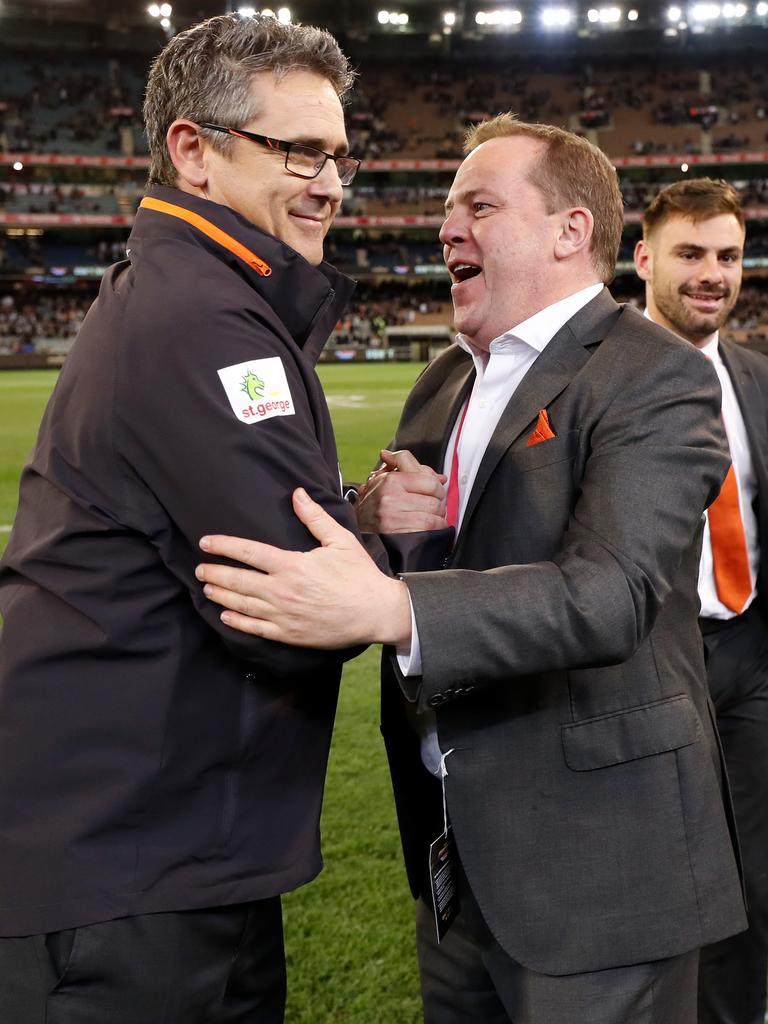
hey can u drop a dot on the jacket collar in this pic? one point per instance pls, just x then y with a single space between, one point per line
308 300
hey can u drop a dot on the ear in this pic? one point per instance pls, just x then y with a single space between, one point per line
643 260
188 153
575 234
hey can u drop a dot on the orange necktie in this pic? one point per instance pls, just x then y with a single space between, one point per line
733 581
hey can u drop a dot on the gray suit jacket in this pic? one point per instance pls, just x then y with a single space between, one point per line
748 371
562 655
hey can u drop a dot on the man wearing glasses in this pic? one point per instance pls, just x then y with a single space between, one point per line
160 774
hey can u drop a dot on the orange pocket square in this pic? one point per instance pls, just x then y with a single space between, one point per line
542 432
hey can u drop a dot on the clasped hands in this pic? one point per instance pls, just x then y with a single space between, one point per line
334 595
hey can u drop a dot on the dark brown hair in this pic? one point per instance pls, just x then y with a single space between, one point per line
696 199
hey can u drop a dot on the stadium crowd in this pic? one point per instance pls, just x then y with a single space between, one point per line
93 105
30 318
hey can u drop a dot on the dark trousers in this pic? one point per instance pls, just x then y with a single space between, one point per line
215 966
469 979
732 978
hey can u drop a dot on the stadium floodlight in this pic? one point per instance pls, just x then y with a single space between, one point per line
246 12
705 12
674 13
734 10
392 18
267 13
593 15
503 16
166 10
762 9
606 15
18 165
153 10
632 15
684 168
449 18
165 22
556 17
284 15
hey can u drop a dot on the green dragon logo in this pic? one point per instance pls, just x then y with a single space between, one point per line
252 385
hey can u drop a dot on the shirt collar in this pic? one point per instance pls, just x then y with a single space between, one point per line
712 349
538 330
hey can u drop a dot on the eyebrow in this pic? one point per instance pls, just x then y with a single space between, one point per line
304 140
730 250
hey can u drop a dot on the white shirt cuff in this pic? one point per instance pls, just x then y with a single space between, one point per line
410 663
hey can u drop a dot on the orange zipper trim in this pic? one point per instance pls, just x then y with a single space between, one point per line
245 254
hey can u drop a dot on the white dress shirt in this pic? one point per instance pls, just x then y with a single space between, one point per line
499 372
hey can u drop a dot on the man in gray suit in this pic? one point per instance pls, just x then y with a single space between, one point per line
690 258
550 669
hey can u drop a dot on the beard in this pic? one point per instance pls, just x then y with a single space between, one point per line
694 323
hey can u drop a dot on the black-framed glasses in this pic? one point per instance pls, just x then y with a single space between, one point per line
301 160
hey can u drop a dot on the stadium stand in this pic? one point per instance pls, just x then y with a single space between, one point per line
73 156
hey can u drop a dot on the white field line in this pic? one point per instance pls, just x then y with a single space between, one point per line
5 528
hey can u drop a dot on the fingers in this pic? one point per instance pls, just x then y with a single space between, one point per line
384 510
404 484
323 527
253 607
241 583
259 556
403 460
256 627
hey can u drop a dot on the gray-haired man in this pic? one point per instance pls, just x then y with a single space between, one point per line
160 775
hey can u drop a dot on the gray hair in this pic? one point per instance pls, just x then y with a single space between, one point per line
205 74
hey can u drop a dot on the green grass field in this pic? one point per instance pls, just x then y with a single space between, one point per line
349 935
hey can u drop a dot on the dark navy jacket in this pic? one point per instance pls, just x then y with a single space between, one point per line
150 758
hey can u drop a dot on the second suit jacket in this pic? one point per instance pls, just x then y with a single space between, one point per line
562 656
749 373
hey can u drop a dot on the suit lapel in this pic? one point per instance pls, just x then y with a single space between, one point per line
429 420
552 372
750 402
752 407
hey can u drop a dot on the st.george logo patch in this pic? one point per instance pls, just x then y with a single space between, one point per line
257 390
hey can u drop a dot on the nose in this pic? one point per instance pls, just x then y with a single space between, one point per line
327 184
452 231
711 269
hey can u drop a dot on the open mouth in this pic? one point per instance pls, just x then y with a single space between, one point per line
463 271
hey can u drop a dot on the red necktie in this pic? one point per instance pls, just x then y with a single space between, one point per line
452 501
730 561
